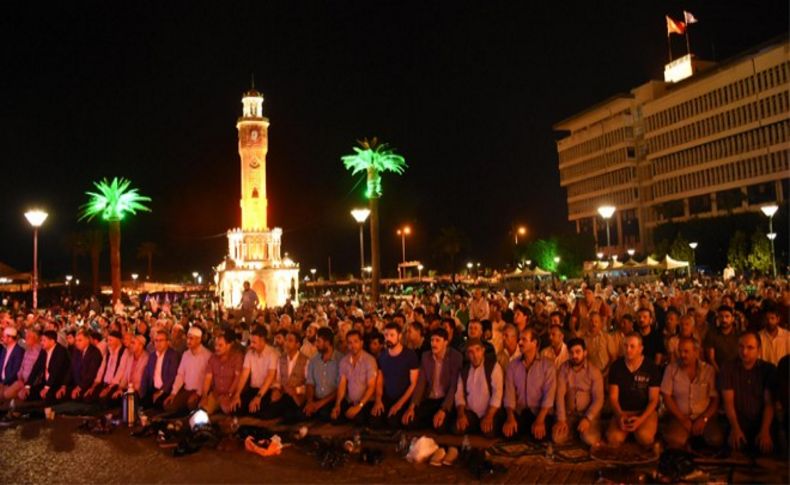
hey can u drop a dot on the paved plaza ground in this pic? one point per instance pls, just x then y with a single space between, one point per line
58 452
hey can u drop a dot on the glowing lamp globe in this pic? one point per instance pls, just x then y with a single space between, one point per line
631 252
360 215
606 211
36 217
693 245
769 210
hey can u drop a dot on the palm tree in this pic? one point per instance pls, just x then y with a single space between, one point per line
147 250
94 241
113 201
449 244
76 245
374 158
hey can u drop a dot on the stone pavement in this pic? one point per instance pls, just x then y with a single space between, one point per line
57 452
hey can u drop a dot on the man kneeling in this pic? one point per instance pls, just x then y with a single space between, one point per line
579 398
478 395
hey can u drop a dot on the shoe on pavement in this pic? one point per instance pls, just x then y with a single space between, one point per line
437 457
450 456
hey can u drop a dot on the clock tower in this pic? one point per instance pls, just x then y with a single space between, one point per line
253 130
254 249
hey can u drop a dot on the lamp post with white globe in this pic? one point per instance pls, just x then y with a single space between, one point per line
607 211
361 215
693 245
770 211
36 218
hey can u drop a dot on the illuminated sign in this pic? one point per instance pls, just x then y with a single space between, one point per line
679 69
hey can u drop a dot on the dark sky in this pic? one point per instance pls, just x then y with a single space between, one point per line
467 92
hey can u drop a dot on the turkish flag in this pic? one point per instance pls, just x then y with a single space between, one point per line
675 26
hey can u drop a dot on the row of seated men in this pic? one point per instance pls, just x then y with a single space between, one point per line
442 390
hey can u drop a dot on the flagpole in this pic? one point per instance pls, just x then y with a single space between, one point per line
688 46
669 46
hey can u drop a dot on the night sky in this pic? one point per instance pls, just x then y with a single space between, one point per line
468 93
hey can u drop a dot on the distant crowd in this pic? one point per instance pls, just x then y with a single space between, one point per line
693 365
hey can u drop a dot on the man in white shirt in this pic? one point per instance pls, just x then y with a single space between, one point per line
775 341
111 369
190 376
478 395
557 351
259 368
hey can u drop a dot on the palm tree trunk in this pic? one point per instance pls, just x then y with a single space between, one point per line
95 253
74 264
375 257
115 259
150 264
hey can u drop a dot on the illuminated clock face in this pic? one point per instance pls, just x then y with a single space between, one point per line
255 163
254 135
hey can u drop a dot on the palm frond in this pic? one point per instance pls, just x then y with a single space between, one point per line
113 200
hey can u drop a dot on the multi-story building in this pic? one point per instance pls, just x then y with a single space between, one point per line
709 140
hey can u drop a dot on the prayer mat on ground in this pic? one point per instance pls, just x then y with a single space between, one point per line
77 409
625 454
515 450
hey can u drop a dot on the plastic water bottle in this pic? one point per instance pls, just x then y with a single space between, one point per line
550 452
129 408
357 442
234 425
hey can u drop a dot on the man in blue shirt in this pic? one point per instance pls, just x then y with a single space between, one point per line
322 377
396 379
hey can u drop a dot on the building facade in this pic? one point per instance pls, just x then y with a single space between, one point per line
712 143
254 250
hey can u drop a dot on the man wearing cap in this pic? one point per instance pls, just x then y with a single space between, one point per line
85 362
110 374
32 350
50 373
11 356
191 374
160 372
478 394
135 367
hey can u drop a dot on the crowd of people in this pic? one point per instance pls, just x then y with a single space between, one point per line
702 364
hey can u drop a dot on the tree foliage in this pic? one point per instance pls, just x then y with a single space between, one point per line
760 254
374 158
738 251
680 249
113 200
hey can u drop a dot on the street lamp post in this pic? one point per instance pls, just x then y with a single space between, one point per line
631 252
403 232
693 245
36 218
607 211
361 215
770 211
419 271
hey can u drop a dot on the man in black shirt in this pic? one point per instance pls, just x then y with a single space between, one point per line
634 383
652 340
746 386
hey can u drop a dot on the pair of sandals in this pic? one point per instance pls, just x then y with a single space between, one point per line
444 457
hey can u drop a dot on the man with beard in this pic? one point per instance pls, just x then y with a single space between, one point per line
510 350
530 388
580 397
478 395
652 340
357 383
634 382
322 376
259 368
434 395
690 396
288 394
222 375
308 344
721 345
598 344
395 381
774 340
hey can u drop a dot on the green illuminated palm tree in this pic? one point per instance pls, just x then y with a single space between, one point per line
374 159
113 201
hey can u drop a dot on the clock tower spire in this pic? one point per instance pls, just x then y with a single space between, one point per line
253 130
